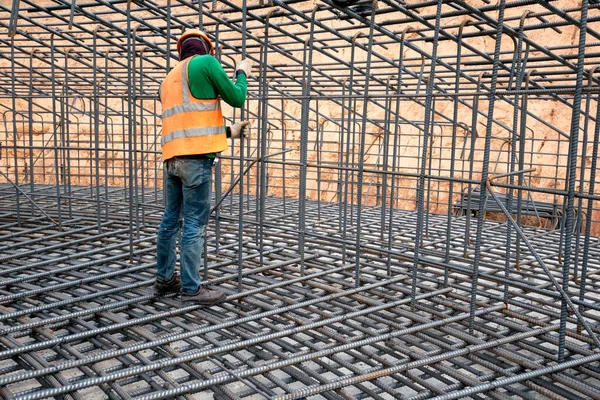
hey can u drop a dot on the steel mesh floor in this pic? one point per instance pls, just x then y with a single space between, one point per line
78 317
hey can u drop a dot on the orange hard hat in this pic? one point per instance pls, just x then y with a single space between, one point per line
195 32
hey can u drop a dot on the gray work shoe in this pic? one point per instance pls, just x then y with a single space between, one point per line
206 296
165 287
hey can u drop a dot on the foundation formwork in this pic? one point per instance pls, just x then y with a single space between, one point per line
415 215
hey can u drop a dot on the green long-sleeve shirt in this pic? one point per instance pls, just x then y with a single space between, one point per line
208 80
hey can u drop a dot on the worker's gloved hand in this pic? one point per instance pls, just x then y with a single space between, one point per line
239 129
246 66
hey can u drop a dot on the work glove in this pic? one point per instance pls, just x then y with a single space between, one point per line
244 65
239 129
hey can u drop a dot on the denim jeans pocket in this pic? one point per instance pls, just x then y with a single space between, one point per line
195 172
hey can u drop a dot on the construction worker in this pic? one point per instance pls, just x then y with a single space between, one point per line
193 133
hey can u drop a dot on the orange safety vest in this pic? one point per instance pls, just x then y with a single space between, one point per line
190 126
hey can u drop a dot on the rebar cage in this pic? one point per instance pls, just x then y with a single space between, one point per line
415 214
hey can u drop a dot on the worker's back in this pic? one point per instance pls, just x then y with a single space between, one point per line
192 121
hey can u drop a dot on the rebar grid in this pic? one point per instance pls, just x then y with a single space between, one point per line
415 215
85 317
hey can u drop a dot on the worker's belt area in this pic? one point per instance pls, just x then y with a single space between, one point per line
194 157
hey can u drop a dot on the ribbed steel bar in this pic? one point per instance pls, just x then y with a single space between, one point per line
361 151
425 157
571 181
486 161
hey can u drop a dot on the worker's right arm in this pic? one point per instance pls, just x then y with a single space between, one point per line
233 94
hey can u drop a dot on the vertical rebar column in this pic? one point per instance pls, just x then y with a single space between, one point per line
246 107
453 147
96 107
348 200
106 135
65 135
283 160
168 44
217 170
14 116
264 90
241 189
133 123
572 177
318 145
518 70
30 122
12 24
260 121
485 166
579 220
424 155
168 68
430 165
258 211
471 158
130 127
395 150
361 153
124 139
341 156
143 131
200 22
521 161
218 196
306 89
54 132
386 153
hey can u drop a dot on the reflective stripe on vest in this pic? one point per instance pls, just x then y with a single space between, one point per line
190 125
190 133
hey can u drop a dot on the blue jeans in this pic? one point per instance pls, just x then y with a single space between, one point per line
187 189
